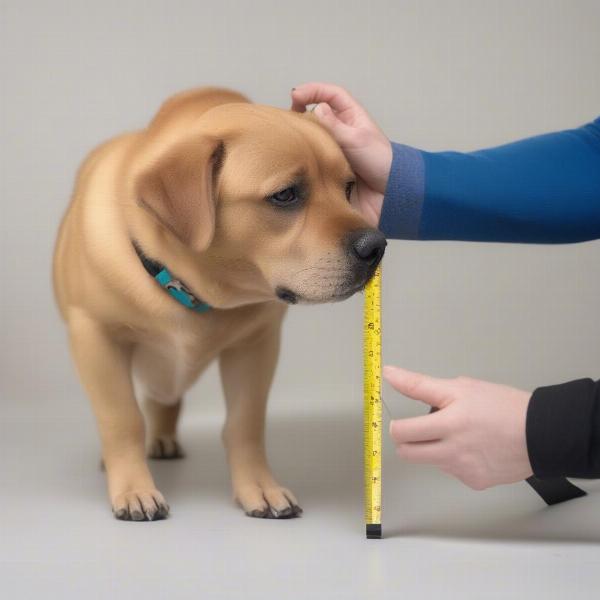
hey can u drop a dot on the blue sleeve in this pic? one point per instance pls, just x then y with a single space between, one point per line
544 189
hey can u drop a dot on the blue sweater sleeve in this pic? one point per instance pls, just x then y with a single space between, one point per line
544 189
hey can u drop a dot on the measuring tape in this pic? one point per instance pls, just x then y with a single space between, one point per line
552 491
372 405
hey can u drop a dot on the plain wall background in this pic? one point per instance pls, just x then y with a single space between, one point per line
437 75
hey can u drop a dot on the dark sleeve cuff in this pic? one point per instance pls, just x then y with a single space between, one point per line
563 430
404 194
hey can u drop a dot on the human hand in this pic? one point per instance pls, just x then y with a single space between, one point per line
367 149
477 435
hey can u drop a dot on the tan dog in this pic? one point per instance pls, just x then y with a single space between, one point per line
243 206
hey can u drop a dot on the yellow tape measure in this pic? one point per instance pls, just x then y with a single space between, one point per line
372 405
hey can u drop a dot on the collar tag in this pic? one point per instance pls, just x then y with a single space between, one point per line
180 292
173 286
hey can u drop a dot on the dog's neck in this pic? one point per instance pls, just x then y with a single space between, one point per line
223 282
175 287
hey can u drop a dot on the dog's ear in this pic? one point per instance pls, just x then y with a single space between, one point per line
179 189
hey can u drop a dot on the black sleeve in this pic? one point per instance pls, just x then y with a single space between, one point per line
563 430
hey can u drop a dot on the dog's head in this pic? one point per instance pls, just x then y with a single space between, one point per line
262 197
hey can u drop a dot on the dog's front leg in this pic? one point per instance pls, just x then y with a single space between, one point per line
104 368
247 372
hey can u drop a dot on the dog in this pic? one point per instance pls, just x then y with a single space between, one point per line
184 243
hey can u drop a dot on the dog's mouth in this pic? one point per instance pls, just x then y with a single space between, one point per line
286 295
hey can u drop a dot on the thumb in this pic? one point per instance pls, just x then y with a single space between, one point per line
342 133
432 391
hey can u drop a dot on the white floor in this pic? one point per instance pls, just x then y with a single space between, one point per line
59 540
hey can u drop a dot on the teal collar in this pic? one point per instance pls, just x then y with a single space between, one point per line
173 286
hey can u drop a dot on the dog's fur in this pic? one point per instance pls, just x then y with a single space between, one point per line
191 189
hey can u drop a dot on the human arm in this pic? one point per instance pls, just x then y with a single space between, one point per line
544 189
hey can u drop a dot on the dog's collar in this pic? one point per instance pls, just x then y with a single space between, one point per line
166 280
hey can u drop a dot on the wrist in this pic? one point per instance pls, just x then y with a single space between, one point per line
404 194
384 155
560 429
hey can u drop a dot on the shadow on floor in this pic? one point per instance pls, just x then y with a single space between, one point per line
320 458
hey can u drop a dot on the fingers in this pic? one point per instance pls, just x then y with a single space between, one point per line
422 452
313 93
419 429
432 391
342 133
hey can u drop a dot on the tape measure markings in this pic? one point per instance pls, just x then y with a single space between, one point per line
372 423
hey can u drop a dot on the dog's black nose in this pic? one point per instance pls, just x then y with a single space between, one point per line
368 245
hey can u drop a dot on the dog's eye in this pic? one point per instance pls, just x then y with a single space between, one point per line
349 187
286 197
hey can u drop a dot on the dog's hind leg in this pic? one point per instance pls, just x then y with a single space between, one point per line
161 422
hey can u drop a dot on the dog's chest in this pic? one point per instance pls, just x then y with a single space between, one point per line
188 346
168 361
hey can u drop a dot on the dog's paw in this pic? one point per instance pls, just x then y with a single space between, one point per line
165 448
140 505
267 502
